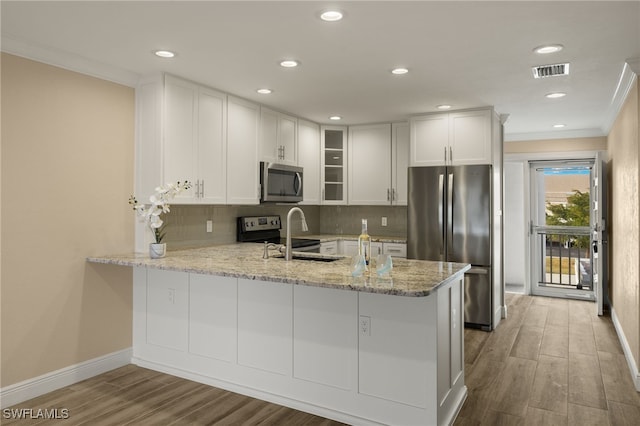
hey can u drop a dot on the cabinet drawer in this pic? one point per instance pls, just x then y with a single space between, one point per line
395 249
329 247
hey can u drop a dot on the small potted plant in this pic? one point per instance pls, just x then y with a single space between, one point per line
150 213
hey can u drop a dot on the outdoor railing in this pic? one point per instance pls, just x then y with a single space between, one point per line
565 256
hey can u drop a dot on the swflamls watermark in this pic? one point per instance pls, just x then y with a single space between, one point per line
35 413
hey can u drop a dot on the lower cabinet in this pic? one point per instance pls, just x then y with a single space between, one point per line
213 316
356 357
329 247
167 297
264 325
325 337
350 248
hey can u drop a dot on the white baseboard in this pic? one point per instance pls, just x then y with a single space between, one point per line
31 388
631 362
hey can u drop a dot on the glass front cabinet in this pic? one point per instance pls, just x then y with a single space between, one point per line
334 162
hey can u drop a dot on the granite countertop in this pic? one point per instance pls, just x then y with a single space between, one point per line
415 278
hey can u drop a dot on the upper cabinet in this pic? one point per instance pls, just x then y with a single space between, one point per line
186 131
333 176
399 163
194 145
454 138
370 164
278 137
378 161
242 151
309 160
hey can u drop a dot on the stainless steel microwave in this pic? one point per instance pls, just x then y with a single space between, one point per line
280 183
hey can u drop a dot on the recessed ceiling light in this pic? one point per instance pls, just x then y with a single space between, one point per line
555 95
289 63
549 48
264 91
164 53
559 126
335 118
444 107
331 15
399 71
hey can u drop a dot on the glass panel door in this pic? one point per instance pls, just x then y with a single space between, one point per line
561 222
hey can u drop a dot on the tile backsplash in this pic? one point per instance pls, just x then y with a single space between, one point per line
347 220
186 224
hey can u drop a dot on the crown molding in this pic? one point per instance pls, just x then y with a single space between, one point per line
628 76
67 60
557 134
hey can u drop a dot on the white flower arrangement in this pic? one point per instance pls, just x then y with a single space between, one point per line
159 203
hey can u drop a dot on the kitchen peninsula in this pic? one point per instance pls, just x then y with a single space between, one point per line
304 333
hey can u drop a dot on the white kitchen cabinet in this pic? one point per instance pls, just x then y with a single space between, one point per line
319 347
194 143
325 336
309 160
413 380
455 138
399 163
265 330
243 120
398 250
213 316
167 309
378 161
329 247
278 137
333 171
369 162
350 248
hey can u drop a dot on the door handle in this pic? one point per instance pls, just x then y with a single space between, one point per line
441 211
450 216
299 180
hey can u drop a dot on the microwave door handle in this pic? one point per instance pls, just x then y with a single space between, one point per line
299 181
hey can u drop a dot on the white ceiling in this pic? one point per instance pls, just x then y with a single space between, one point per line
467 54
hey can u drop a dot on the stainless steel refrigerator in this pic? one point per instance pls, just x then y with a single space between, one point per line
449 219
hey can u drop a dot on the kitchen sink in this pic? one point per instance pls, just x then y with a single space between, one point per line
314 257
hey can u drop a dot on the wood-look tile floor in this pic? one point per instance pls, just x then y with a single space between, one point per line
552 362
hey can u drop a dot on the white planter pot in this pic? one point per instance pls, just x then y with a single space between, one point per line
156 251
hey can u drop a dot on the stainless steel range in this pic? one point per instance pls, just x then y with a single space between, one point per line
258 229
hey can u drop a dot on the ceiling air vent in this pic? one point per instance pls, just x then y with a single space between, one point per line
543 71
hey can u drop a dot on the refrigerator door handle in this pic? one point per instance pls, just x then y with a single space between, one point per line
450 217
441 212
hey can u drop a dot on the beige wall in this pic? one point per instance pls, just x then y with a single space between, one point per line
67 172
625 219
556 145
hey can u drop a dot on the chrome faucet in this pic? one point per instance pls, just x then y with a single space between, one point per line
305 228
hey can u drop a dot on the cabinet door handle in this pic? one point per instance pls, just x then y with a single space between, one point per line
393 194
197 188
388 195
322 194
451 155
202 189
445 155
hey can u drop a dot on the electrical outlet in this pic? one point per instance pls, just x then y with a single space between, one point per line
209 226
172 296
365 325
384 221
